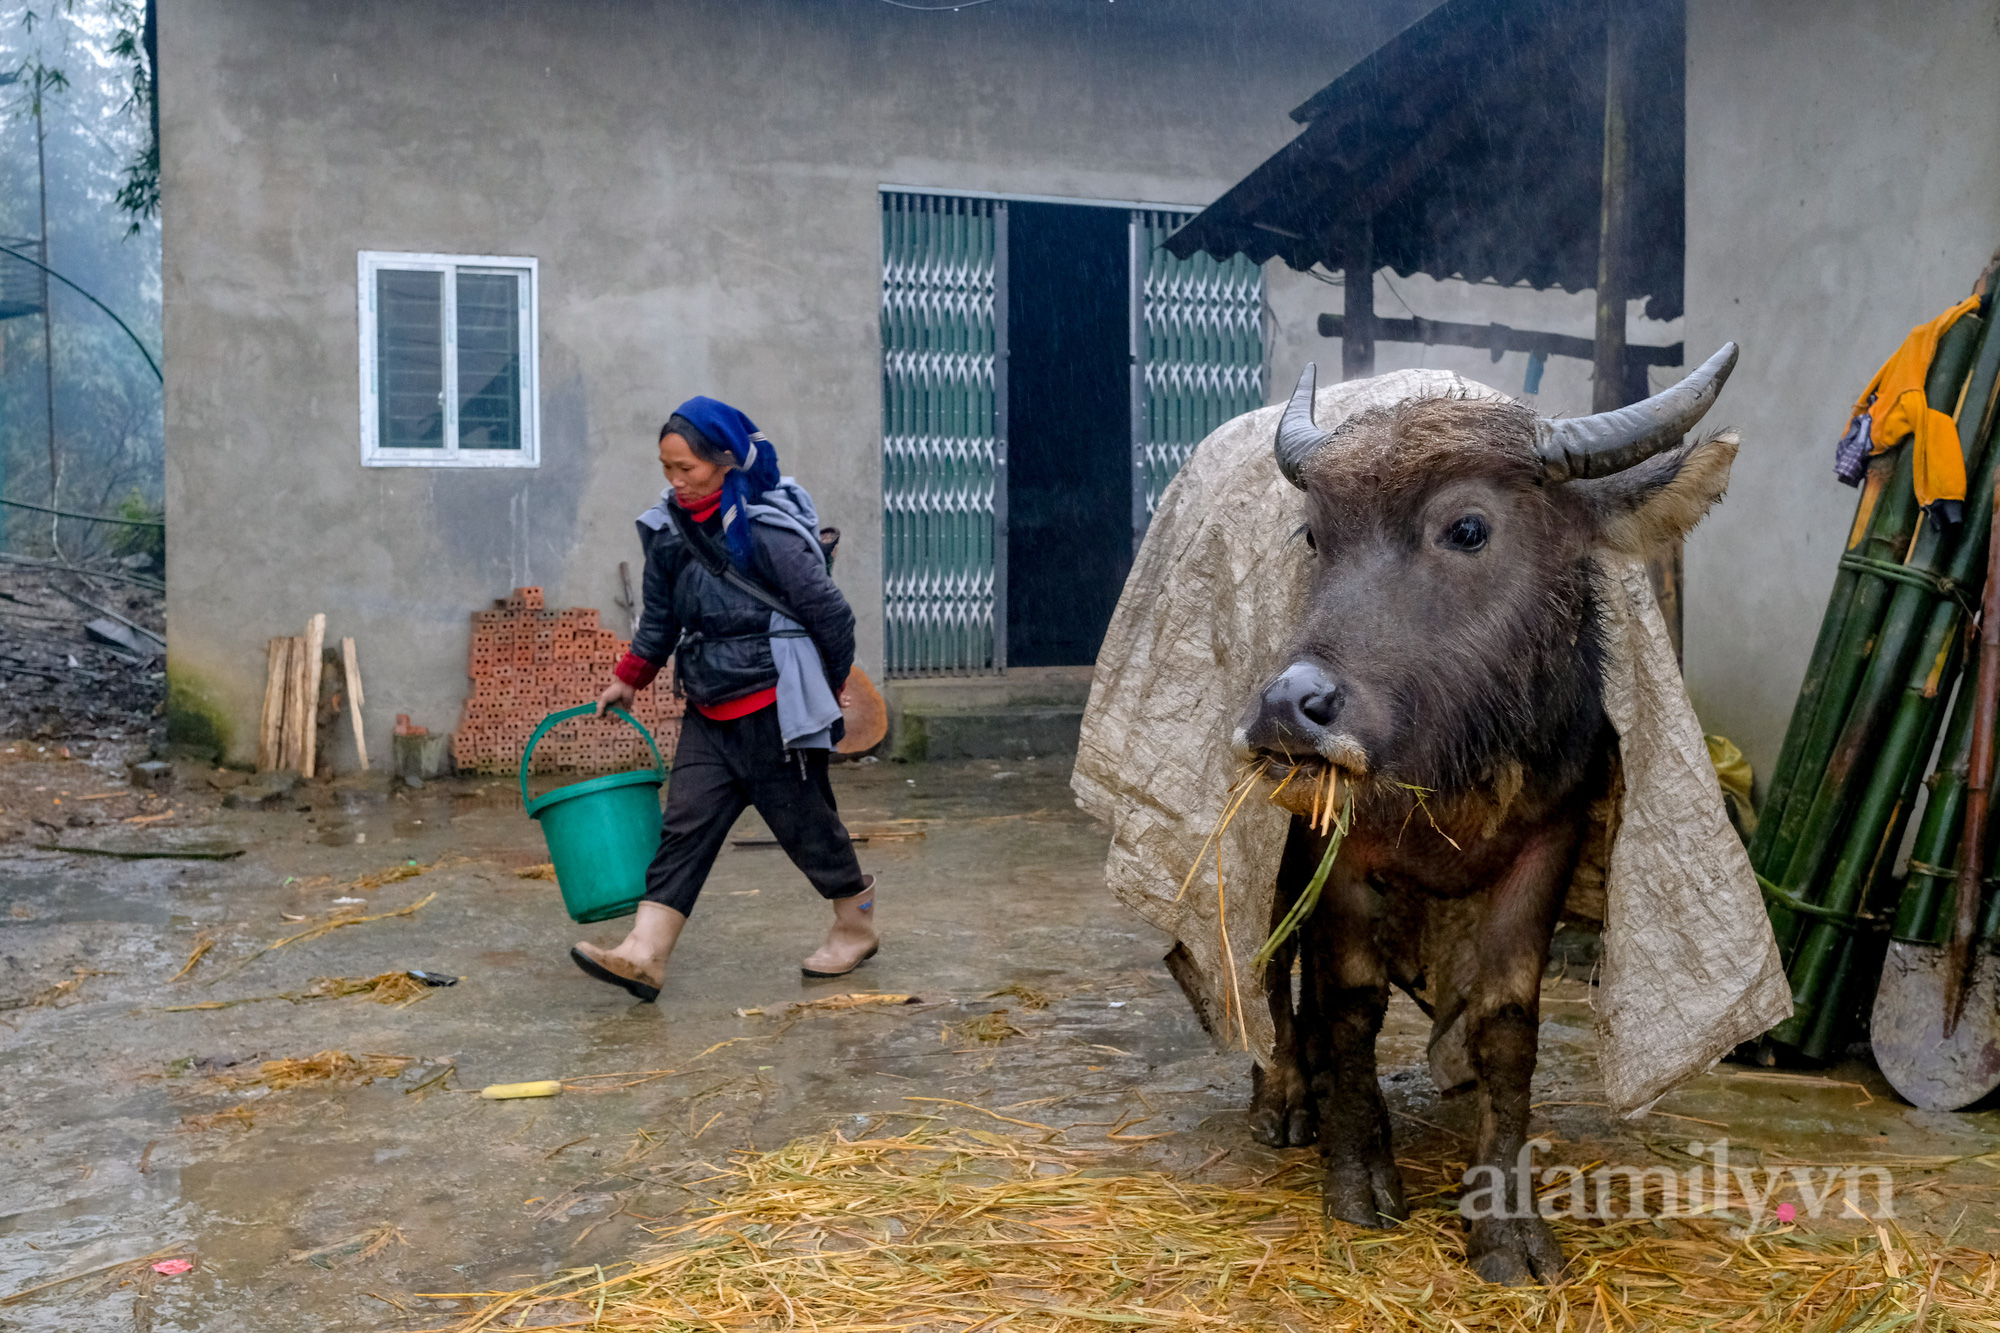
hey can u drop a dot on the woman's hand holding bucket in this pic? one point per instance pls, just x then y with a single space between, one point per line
616 695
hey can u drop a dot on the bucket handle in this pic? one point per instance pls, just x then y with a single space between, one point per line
557 719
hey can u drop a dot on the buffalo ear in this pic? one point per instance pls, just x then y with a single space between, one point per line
1652 504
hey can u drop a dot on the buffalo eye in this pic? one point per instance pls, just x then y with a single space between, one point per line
1466 534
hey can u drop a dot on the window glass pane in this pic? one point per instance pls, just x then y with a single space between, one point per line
489 361
409 358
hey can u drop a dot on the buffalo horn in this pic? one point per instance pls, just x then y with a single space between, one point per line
1597 446
1297 436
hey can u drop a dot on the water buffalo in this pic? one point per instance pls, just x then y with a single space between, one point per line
1447 667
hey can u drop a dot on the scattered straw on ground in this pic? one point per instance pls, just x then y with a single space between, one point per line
397 988
987 1029
326 1067
360 1245
107 1273
323 926
1029 997
202 944
375 879
546 870
51 997
955 1229
831 1004
236 1117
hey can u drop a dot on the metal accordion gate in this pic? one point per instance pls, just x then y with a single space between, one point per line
1197 360
1197 354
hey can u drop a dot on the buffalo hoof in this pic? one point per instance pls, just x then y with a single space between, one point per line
1368 1194
1515 1251
1281 1109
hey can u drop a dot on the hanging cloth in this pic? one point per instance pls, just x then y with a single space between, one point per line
1893 409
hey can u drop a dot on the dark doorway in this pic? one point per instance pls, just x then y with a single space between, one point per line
1069 429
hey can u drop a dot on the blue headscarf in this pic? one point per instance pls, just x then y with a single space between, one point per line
756 469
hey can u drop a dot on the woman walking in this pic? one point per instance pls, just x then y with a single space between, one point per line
737 591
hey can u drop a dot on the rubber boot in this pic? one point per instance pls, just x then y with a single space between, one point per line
639 962
852 941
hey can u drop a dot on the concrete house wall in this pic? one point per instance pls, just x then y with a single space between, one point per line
1843 185
699 183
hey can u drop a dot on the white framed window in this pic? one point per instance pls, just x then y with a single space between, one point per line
448 360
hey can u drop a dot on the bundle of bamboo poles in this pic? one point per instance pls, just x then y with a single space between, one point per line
288 731
1891 651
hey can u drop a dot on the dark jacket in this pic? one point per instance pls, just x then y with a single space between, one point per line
722 633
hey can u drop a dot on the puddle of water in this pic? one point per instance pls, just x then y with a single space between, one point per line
358 824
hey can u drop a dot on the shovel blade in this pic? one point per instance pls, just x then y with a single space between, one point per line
1931 1070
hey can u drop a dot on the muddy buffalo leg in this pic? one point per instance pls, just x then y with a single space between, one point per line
1281 1109
1281 1113
1351 988
1509 1242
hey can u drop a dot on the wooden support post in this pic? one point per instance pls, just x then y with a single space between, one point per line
630 607
1613 381
1613 231
315 647
291 752
352 668
271 725
1357 340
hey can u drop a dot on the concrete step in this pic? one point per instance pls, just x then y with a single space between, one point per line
1010 715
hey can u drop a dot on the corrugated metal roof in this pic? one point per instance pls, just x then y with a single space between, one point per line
1474 140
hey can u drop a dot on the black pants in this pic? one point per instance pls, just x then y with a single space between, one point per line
721 767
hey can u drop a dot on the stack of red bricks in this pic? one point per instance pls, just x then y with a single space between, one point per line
528 662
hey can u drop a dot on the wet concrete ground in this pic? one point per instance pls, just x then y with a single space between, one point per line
328 1206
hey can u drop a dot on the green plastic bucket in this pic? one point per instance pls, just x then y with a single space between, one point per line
602 832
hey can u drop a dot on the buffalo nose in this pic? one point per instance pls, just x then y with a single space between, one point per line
1301 701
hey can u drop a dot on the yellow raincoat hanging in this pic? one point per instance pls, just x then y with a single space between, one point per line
1893 408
